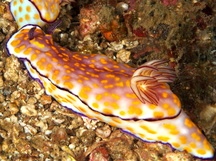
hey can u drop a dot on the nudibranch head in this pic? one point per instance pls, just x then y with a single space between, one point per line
37 12
139 101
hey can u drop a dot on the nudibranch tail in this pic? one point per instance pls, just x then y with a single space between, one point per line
34 11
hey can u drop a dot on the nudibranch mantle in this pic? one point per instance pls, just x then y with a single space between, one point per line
100 82
35 11
137 101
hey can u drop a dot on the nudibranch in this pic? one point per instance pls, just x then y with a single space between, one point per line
37 12
139 101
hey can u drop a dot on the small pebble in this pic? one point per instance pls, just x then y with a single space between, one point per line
1 82
116 46
2 98
43 126
12 66
13 108
28 110
123 56
122 7
45 99
59 135
88 137
29 129
32 100
104 131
